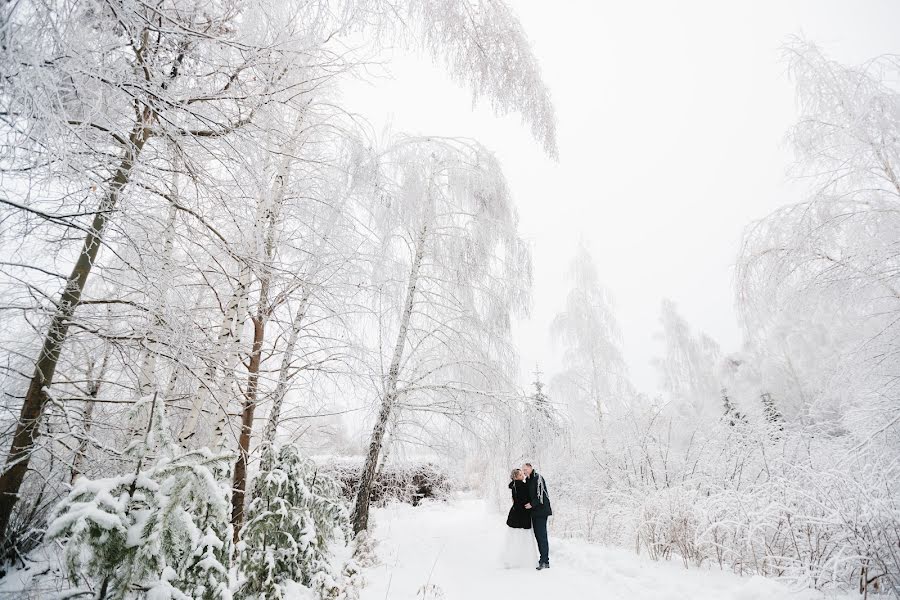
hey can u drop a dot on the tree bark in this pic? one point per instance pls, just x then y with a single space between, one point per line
27 428
240 467
360 516
284 377
268 214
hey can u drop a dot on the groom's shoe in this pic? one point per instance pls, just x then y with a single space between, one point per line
543 566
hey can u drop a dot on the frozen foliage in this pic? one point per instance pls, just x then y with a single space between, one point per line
816 277
782 459
161 532
482 44
176 174
817 294
749 497
740 484
594 380
295 514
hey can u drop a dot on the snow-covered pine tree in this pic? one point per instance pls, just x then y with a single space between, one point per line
296 512
540 400
731 414
771 412
162 531
542 421
192 523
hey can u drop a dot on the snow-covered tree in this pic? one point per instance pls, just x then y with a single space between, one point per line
544 425
690 367
452 252
162 531
816 277
594 379
295 515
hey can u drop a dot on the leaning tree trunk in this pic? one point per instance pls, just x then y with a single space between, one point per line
36 397
284 373
360 516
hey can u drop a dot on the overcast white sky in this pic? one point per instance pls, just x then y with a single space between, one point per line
672 118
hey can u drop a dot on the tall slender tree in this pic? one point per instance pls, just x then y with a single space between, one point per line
451 246
595 377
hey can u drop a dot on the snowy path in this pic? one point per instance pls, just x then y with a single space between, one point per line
456 547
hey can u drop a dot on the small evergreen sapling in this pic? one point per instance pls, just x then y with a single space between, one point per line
296 512
162 532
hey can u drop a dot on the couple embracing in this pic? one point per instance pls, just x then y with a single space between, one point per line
529 511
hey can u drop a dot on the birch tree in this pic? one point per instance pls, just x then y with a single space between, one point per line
451 246
817 278
87 119
304 242
595 377
690 367
134 138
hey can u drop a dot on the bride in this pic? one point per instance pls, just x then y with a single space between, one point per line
519 550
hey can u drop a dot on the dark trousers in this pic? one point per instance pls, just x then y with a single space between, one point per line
539 525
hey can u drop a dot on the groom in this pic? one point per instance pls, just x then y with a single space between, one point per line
539 503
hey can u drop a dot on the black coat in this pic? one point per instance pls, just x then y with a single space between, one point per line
538 496
519 516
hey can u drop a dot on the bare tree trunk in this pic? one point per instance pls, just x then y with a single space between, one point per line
284 373
27 430
80 450
284 377
239 486
360 516
157 291
266 222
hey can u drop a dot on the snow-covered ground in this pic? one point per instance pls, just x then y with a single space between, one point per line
452 550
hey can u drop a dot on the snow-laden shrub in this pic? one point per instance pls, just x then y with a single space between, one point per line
295 514
795 506
363 556
669 525
409 483
364 550
162 532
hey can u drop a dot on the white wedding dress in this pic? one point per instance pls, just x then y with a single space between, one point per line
519 549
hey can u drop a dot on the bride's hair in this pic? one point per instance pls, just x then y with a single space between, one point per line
514 473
